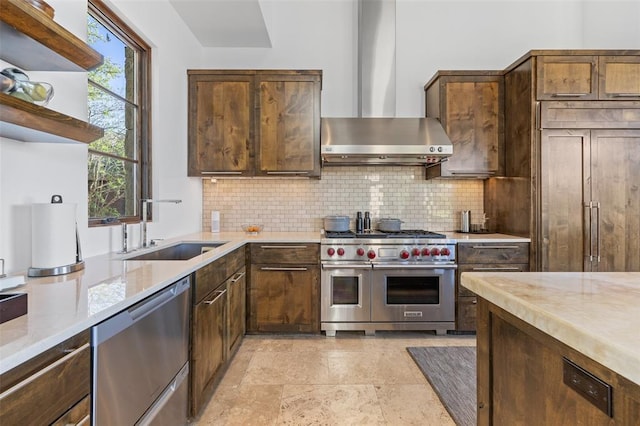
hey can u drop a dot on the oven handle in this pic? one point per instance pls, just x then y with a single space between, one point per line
347 266
414 266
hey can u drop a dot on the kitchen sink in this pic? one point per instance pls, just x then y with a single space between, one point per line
181 251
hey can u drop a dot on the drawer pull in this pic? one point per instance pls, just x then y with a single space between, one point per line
626 95
569 95
86 420
219 293
237 277
43 371
221 173
283 247
503 268
496 247
288 173
268 268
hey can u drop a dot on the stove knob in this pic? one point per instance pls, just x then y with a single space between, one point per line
340 251
360 251
371 254
435 251
415 251
331 251
404 254
426 252
445 251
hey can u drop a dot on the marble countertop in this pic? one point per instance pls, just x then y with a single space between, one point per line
60 307
594 313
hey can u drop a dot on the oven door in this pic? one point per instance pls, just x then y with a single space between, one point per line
345 293
413 293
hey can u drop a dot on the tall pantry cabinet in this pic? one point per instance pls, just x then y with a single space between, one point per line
572 160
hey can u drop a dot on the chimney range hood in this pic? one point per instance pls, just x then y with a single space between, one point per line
377 136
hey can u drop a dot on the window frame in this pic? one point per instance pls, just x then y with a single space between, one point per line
102 13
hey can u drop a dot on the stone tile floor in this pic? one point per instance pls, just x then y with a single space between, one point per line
351 379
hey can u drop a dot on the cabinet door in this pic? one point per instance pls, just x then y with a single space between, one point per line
289 124
615 191
619 77
567 77
473 120
236 290
284 299
208 345
220 125
564 238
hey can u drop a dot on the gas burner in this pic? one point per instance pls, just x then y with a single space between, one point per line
407 233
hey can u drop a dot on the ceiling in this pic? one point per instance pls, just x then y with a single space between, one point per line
225 23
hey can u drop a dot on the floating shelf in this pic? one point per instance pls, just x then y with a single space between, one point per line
24 121
33 41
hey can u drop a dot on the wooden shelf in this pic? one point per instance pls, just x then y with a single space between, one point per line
24 121
33 41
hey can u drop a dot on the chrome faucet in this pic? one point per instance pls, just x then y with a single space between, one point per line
143 230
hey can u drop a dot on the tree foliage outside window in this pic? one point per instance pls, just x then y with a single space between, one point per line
118 167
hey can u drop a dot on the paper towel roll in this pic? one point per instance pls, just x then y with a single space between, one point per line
215 221
53 235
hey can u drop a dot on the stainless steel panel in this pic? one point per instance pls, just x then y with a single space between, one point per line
137 353
170 409
443 311
359 311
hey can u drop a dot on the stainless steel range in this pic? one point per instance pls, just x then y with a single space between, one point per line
387 281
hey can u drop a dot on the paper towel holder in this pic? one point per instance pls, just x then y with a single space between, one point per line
60 270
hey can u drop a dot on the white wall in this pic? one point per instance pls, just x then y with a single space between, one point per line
305 34
32 172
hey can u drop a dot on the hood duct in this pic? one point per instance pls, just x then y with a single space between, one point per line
376 136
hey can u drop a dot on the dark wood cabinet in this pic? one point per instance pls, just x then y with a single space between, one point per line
572 123
218 296
254 123
33 41
588 200
469 104
484 257
50 386
284 293
528 377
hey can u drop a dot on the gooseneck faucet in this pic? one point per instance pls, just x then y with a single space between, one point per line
143 230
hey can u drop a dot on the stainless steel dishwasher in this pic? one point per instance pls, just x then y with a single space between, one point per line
140 362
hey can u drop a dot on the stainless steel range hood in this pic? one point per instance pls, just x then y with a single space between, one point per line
387 141
377 136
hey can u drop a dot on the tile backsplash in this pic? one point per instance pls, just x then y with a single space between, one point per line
300 204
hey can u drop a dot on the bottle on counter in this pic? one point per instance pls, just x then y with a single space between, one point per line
367 222
359 223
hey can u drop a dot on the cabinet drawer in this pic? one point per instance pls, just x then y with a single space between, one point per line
567 77
208 278
493 267
47 392
493 253
285 254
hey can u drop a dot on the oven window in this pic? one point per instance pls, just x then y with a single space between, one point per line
345 290
413 290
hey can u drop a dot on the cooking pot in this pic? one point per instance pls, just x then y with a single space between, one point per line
336 223
389 225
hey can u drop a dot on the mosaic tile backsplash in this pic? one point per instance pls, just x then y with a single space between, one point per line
301 204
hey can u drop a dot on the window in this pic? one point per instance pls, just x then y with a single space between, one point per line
119 169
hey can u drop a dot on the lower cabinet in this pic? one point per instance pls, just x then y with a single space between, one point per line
217 326
484 257
51 388
284 291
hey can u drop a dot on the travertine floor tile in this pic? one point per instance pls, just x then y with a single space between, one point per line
243 405
330 405
276 368
412 405
378 367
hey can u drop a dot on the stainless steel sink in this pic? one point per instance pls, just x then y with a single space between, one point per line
182 251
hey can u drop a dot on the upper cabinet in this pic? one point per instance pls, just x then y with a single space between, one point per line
31 40
469 104
254 123
588 77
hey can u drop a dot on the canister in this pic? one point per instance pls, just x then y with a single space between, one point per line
465 220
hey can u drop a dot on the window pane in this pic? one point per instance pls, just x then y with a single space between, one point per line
117 73
118 119
112 188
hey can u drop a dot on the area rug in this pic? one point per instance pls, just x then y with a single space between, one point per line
451 371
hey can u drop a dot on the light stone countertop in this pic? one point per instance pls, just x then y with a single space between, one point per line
595 313
60 307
